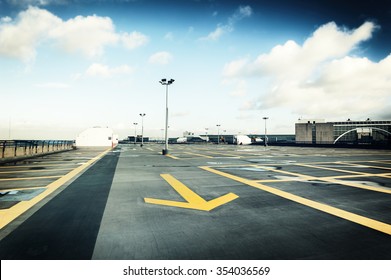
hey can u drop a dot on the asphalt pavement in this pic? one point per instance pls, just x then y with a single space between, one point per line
203 202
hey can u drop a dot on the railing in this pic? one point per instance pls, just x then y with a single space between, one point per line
26 148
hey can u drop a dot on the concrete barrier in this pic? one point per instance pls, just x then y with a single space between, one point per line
13 150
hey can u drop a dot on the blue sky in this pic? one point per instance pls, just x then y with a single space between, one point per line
67 65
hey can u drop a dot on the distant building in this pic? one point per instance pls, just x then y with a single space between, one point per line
255 138
348 132
138 139
188 133
97 137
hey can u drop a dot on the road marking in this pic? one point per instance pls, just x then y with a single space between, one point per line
361 220
382 161
224 154
35 165
331 169
33 171
356 185
355 176
200 155
8 215
368 166
194 201
331 179
171 156
30 178
22 189
298 175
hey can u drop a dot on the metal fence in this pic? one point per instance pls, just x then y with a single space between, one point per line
22 148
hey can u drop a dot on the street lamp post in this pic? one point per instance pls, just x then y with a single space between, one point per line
265 118
142 129
166 83
135 132
218 133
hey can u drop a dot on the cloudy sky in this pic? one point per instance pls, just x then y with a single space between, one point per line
67 65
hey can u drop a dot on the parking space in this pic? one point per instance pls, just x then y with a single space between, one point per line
25 183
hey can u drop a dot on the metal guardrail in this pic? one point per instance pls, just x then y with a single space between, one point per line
20 148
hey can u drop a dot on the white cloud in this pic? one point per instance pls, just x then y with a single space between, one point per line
320 78
239 14
160 58
86 35
104 71
6 19
134 40
19 39
238 67
217 33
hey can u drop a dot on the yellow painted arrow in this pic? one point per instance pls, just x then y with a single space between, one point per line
194 201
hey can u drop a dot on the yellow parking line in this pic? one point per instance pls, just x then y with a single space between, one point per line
33 171
298 175
280 180
200 155
358 219
8 215
224 154
355 176
357 185
38 165
22 189
30 178
332 179
368 166
386 161
329 168
171 156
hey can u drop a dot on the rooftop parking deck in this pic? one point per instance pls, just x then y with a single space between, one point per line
199 202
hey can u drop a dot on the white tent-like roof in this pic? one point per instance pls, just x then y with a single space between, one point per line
97 137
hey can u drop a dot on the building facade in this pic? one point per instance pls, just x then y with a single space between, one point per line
348 132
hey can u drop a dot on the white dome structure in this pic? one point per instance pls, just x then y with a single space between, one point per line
97 137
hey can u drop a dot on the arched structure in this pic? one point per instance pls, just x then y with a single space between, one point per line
374 128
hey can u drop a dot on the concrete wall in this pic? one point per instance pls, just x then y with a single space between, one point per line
303 132
324 133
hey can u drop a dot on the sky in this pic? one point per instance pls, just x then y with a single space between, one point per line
67 65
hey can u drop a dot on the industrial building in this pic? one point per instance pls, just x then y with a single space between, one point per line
367 132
